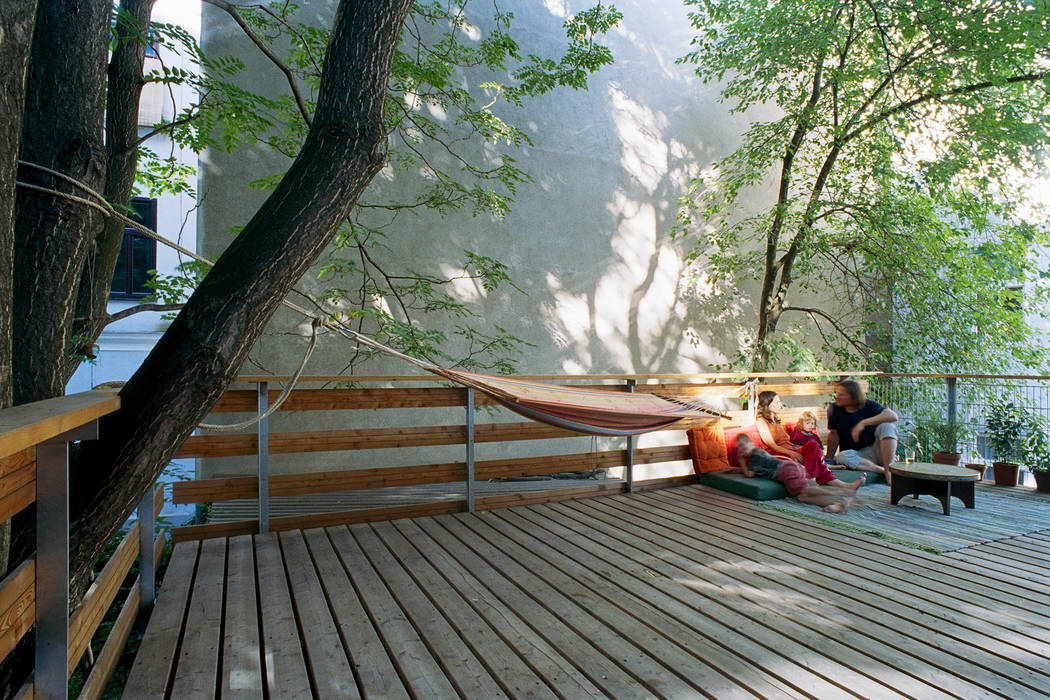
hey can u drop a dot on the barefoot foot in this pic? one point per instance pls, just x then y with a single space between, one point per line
834 508
854 485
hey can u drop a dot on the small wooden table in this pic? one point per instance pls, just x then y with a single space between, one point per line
940 480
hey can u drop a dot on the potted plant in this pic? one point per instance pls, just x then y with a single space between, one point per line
1036 451
1005 424
937 440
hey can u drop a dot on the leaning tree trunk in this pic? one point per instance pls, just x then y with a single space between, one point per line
202 351
62 129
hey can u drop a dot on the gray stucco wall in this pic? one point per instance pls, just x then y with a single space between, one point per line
589 240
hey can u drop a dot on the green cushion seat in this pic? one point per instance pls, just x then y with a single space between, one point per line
761 489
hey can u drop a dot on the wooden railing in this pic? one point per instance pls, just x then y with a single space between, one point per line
34 444
264 485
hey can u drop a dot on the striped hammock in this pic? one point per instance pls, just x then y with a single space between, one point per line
591 411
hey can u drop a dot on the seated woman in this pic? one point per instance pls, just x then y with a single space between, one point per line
757 462
776 440
862 429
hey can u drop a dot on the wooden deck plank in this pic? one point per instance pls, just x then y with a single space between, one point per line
703 663
326 659
285 667
197 669
768 624
508 623
672 606
417 667
686 673
242 672
634 647
667 593
581 650
918 573
462 667
513 674
156 655
907 638
376 674
945 605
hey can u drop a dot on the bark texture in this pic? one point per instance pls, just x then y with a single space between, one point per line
202 351
16 35
62 130
124 88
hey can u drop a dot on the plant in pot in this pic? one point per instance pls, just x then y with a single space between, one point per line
938 440
1005 424
1036 452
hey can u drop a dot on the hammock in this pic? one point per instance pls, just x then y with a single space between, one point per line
591 411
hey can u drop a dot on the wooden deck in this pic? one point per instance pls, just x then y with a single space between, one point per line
684 592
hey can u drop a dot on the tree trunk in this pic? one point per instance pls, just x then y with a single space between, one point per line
202 351
61 130
16 28
124 88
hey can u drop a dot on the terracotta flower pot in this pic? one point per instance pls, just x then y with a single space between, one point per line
952 458
1005 473
977 467
1042 481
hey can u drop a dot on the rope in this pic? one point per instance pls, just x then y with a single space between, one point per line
317 322
333 323
285 393
105 207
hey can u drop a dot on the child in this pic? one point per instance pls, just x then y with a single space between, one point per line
757 462
806 430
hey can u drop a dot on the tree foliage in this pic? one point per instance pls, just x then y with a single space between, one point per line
901 129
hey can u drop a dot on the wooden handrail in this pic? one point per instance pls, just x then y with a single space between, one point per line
255 378
30 424
32 454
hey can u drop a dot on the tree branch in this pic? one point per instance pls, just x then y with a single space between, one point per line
132 310
834 324
231 10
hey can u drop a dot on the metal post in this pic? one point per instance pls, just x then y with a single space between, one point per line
952 407
629 467
952 404
470 450
52 562
264 459
52 570
147 563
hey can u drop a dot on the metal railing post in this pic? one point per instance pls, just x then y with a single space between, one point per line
629 467
51 675
470 450
147 563
264 458
951 383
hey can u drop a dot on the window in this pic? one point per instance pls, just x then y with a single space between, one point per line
139 254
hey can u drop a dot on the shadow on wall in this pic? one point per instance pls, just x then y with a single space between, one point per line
588 239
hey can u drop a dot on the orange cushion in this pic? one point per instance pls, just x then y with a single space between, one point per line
707 447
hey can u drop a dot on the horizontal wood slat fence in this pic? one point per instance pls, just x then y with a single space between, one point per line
733 388
34 441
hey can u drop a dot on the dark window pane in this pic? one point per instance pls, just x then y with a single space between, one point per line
139 254
143 211
143 255
120 275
